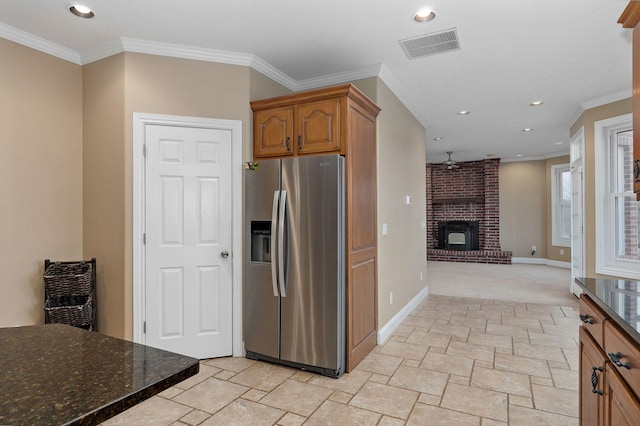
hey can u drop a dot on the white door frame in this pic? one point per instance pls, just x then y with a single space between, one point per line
577 162
140 121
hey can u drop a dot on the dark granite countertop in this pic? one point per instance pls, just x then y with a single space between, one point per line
57 375
620 299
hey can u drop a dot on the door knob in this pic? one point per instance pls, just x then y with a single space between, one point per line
224 254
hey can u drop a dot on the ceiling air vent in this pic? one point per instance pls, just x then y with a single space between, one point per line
431 44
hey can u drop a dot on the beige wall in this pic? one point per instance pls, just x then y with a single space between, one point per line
104 187
525 209
401 158
553 252
76 200
40 175
125 84
587 119
523 206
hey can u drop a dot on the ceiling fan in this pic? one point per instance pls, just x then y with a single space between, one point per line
450 164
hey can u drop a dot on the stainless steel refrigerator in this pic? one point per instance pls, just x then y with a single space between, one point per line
294 296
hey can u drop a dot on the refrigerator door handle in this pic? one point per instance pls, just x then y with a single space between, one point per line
274 224
281 225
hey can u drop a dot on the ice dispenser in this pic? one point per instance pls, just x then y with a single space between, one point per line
260 241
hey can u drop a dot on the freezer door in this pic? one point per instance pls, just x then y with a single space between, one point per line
261 300
312 306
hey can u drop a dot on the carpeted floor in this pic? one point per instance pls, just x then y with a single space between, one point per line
517 282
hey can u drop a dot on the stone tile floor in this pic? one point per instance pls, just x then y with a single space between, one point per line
453 361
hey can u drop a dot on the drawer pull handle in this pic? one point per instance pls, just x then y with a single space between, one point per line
286 144
586 319
299 142
594 380
615 358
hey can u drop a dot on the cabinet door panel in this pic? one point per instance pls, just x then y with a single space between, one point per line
591 404
622 408
636 107
273 132
318 127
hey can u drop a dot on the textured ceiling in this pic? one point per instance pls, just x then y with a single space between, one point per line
572 54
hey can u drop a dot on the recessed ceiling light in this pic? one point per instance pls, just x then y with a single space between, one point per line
424 15
438 138
491 155
519 155
81 11
527 129
536 103
558 143
464 112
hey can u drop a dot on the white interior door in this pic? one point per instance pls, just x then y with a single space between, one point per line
188 268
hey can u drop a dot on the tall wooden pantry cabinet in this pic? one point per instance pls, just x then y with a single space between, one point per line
630 18
336 120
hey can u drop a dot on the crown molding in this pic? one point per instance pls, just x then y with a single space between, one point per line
38 43
534 158
210 55
597 102
394 85
338 78
112 48
607 99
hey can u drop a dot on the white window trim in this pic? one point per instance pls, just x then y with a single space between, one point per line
606 263
556 220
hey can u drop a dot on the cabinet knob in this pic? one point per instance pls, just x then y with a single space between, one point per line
615 358
586 319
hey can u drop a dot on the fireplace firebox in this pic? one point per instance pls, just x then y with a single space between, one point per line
458 235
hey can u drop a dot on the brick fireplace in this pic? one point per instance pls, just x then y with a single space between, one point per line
468 193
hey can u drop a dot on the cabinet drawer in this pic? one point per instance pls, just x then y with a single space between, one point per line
592 319
624 354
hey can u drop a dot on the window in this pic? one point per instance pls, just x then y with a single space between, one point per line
561 205
617 210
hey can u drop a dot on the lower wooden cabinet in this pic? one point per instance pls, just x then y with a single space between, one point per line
621 406
592 365
608 382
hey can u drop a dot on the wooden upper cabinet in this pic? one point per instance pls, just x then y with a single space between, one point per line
629 19
273 132
318 127
314 122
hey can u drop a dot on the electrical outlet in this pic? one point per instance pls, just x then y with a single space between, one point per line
561 252
391 298
385 229
420 276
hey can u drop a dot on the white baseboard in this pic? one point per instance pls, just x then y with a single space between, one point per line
541 261
387 330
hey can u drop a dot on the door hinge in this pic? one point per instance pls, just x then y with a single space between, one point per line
144 150
144 239
144 327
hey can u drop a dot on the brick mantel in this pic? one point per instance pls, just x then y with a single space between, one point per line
470 192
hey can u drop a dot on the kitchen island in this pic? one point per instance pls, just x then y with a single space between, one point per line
609 351
56 374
